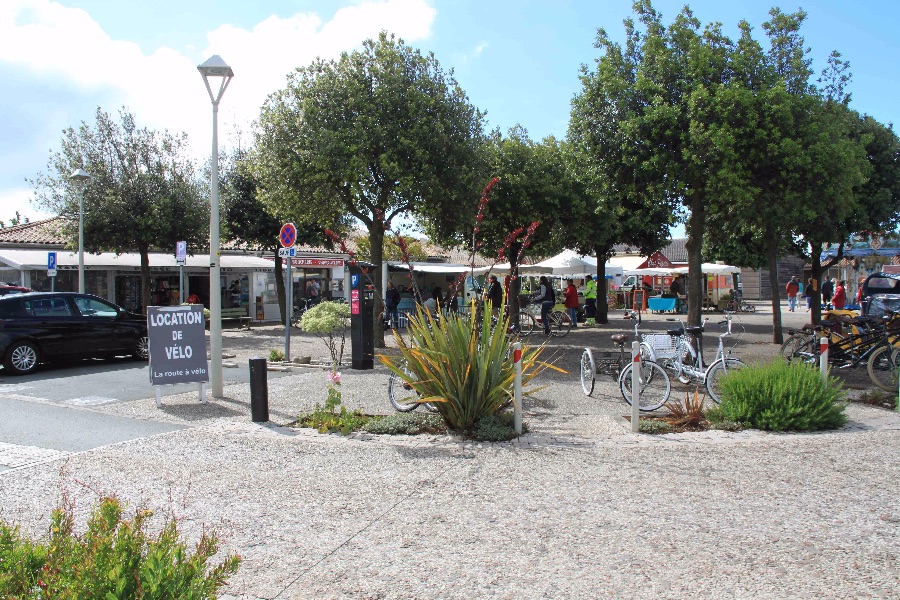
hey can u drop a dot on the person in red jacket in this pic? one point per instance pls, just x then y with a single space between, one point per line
840 296
571 302
792 288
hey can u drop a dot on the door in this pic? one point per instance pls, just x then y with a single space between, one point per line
99 328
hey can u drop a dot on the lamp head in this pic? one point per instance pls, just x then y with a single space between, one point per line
80 177
215 67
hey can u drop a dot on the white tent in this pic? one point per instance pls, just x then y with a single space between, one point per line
711 269
652 272
565 263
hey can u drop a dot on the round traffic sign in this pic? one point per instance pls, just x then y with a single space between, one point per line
288 235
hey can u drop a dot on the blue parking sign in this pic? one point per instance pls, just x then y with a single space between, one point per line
51 261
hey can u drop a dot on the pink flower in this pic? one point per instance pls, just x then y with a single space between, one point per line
334 377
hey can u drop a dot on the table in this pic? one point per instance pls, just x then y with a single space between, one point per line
662 304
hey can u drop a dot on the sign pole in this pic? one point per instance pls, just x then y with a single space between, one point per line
288 311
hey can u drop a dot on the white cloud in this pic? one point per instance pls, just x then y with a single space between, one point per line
479 49
163 88
19 199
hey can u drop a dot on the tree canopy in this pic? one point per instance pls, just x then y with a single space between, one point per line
144 191
381 132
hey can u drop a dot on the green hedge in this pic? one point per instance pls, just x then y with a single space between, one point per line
780 397
114 559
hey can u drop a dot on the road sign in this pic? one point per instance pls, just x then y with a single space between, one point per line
51 272
180 252
51 261
288 235
287 252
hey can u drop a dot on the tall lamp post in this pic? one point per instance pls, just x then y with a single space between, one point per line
215 67
80 177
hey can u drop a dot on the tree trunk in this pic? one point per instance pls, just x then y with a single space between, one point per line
280 288
694 244
815 307
144 251
376 238
602 289
772 256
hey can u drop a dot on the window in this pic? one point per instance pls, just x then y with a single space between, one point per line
91 307
47 307
11 310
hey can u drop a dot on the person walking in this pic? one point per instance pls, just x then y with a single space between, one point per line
840 296
392 305
590 301
828 290
547 298
792 288
811 292
571 303
494 295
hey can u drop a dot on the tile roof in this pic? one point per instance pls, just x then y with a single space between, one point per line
675 250
46 232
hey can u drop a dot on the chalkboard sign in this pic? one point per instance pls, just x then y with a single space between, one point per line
177 344
640 300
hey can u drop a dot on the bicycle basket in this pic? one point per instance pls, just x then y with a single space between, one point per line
663 345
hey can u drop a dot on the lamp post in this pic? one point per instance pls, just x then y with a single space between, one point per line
79 178
215 67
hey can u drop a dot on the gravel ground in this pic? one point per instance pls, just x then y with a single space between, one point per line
578 508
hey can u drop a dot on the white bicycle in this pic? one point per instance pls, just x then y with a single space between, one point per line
688 365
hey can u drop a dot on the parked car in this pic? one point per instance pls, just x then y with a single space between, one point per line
8 288
880 291
37 327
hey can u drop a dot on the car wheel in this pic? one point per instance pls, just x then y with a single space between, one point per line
142 349
22 358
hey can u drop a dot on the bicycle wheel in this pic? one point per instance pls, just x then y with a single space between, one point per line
526 323
402 395
798 347
882 368
716 371
685 356
560 323
588 371
655 386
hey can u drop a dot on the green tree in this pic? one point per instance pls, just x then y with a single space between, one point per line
525 209
379 133
246 219
415 250
619 206
144 191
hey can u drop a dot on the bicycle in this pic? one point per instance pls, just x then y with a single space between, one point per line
688 364
738 304
297 314
403 396
560 323
870 341
655 385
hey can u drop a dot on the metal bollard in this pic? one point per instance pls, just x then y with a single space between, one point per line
823 358
635 387
259 390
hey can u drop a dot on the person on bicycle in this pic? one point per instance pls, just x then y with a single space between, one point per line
571 303
547 299
590 301
494 295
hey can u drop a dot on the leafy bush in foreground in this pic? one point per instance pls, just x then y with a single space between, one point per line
405 424
114 558
780 397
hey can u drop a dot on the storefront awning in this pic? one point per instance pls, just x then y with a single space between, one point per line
28 260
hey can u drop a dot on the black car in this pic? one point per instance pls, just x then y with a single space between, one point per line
37 327
881 291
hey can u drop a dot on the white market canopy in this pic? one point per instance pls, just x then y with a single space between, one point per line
711 269
568 262
431 267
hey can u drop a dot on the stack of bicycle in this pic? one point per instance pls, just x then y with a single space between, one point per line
679 351
853 341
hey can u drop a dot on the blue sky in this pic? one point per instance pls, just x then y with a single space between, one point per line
517 60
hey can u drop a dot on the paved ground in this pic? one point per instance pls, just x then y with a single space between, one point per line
579 508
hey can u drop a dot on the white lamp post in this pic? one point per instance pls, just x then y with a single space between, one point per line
79 178
215 67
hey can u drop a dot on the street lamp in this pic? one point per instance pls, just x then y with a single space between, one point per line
79 178
215 67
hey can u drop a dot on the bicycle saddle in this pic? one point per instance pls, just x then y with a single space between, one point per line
619 338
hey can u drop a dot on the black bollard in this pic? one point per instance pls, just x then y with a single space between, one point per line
259 390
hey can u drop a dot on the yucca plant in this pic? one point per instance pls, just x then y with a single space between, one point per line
462 366
688 413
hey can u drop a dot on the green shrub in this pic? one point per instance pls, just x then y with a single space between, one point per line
781 397
114 558
461 366
329 321
276 355
405 424
653 426
496 428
